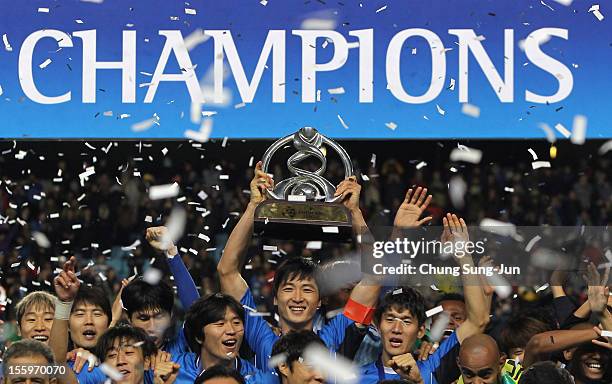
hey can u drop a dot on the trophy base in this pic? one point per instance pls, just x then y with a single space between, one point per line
306 221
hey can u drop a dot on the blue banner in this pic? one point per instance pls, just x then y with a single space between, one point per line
262 69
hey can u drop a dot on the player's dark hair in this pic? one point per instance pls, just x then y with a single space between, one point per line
292 346
142 296
218 371
127 333
518 330
408 298
94 296
293 268
206 311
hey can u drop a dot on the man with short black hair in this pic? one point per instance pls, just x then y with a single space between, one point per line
292 369
214 327
219 374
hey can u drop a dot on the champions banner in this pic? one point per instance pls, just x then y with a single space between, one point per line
260 69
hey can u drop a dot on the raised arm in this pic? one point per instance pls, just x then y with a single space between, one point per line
231 262
476 303
66 286
187 290
545 343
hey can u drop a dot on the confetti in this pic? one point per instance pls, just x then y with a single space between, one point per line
498 227
550 135
203 134
562 130
76 226
540 164
270 248
263 2
296 198
7 45
330 229
165 191
175 227
567 3
439 326
546 5
470 110
421 165
440 110
336 91
381 9
43 10
532 242
319 23
595 10
342 122
471 155
606 147
152 276
54 215
606 333
509 189
337 369
277 360
190 11
391 125
451 85
44 64
398 291
314 245
533 154
240 105
203 237
145 124
501 286
434 311
579 130
107 369
41 239
542 288
457 188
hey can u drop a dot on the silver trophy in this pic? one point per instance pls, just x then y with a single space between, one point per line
303 207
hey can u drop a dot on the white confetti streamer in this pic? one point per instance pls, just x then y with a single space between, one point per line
342 122
440 110
107 369
540 164
471 155
579 130
391 125
606 147
157 192
470 110
562 130
434 311
337 369
533 154
41 239
44 64
7 45
532 242
595 10
175 227
336 91
420 165
152 276
439 326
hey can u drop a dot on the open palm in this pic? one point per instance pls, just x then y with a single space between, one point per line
412 208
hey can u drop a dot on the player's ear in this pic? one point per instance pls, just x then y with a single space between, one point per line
284 369
421 332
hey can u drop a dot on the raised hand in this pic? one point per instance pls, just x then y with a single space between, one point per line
597 290
605 344
156 237
80 356
349 189
66 283
260 183
164 370
117 309
456 232
427 349
406 367
412 208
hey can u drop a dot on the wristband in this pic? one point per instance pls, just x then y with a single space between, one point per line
359 313
62 309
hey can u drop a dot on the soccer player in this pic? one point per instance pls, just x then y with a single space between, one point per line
296 293
128 352
35 316
480 362
293 369
400 319
214 327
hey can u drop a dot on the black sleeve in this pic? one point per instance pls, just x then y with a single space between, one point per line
448 371
352 340
564 310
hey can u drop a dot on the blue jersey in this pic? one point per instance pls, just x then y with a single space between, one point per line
96 376
374 372
191 367
176 345
261 339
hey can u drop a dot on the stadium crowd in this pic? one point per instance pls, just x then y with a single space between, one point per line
90 281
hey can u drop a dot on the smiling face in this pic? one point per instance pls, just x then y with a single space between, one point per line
87 323
127 359
297 301
399 330
222 339
154 322
592 366
36 323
